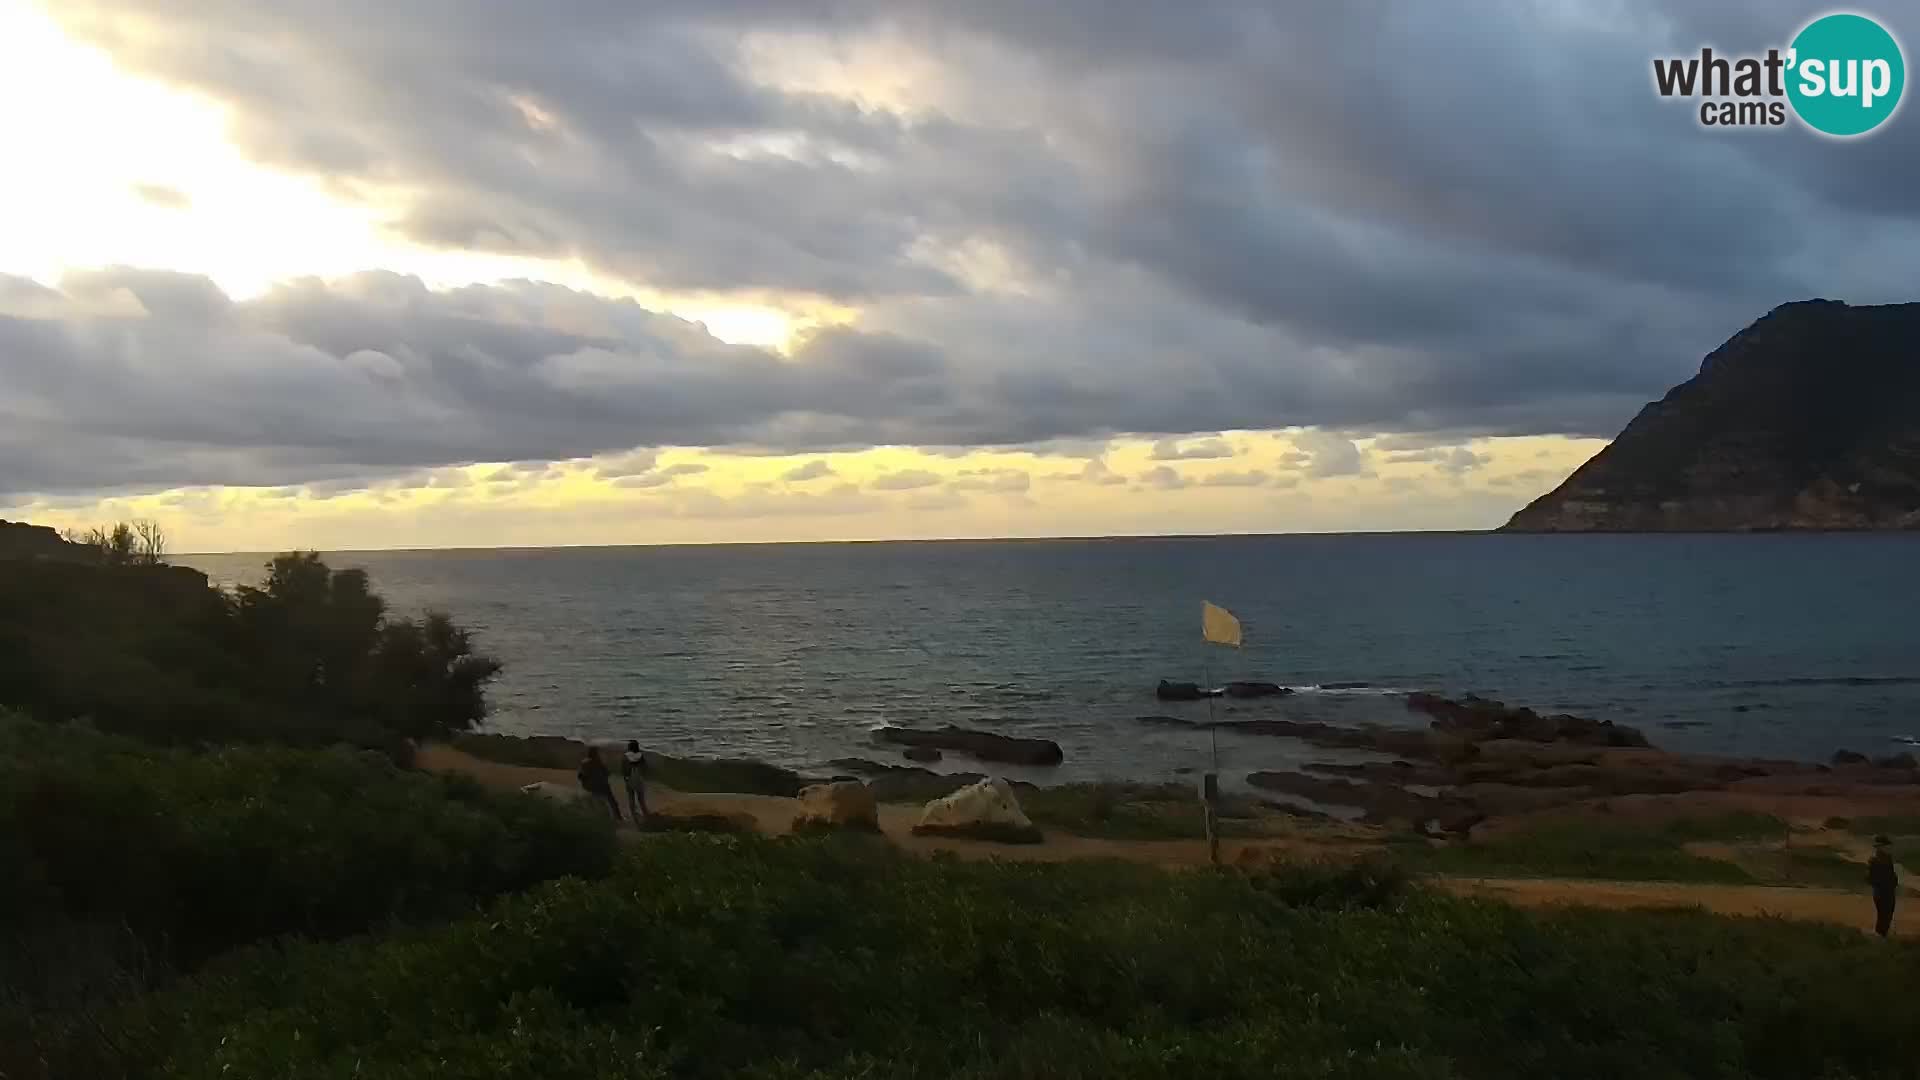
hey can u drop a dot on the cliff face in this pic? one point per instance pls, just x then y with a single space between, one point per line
1808 419
19 540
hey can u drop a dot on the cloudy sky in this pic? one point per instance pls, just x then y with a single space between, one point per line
479 272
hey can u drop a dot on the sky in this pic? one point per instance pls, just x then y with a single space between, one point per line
483 272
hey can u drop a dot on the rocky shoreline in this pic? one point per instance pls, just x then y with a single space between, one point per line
1474 759
1478 758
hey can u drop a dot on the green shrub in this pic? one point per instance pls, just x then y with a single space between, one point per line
309 657
737 956
198 852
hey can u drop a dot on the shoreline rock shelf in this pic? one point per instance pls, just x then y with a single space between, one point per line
985 745
1482 718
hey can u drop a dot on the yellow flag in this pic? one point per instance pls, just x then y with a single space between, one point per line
1218 625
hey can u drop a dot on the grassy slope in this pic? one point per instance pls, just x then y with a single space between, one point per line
832 957
1598 849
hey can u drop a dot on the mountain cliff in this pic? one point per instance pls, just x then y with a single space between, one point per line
1808 419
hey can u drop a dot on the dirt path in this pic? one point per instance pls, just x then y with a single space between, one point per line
774 816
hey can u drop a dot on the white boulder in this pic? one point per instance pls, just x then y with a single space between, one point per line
982 808
842 804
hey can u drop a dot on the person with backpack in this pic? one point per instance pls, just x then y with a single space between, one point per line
633 771
594 777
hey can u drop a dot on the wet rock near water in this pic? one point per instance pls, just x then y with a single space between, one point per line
1381 803
985 745
1180 691
1186 691
1482 718
1256 690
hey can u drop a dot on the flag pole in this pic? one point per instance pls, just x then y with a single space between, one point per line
1217 625
1211 784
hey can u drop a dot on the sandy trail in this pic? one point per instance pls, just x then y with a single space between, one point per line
774 816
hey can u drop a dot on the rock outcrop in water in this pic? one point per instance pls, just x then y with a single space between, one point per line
984 745
1807 419
1480 718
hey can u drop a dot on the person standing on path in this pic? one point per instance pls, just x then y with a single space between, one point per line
1881 876
633 770
594 777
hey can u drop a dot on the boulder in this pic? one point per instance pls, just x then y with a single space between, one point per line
1482 718
984 745
920 753
1255 690
1181 691
986 811
843 804
1902 760
1849 757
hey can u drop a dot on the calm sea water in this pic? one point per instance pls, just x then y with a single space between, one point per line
1788 645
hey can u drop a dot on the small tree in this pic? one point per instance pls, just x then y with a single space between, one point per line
322 637
137 543
149 542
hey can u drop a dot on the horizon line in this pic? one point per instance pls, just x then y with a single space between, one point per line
1050 539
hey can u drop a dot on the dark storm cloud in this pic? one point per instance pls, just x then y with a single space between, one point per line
1082 218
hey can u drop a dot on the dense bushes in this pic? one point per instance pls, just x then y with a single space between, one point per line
746 957
310 656
121 864
195 853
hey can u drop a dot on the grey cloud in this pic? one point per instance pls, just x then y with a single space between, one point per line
1329 454
1096 471
659 477
999 481
905 480
1174 450
1455 459
1211 217
1246 478
812 470
1164 478
637 463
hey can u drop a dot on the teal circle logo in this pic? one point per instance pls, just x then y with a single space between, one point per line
1845 74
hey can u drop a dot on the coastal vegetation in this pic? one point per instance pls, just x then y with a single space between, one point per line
106 631
126 864
740 956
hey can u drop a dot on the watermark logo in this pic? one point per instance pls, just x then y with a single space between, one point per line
1842 75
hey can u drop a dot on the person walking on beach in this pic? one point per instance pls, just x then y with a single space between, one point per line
1881 876
633 770
594 777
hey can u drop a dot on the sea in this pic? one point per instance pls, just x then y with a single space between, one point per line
1778 645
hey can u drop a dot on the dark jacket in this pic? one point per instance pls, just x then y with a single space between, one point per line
633 766
1880 873
593 774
